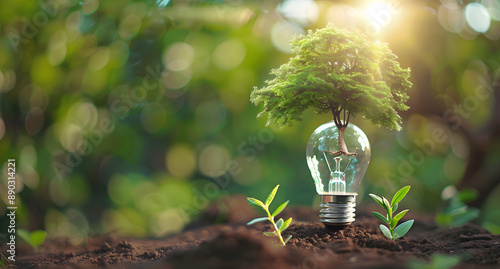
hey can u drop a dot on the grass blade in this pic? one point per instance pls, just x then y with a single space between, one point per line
280 208
256 220
385 231
270 198
400 195
380 217
402 229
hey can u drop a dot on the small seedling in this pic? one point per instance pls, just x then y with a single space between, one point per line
455 211
34 239
393 232
278 226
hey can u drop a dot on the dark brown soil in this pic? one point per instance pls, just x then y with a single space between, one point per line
234 245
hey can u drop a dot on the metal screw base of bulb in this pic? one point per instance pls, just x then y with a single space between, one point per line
337 210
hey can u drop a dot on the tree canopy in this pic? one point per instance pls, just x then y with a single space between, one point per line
338 71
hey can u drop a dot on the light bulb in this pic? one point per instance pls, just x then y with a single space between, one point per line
337 174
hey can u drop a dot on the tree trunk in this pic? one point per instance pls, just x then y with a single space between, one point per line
342 145
341 126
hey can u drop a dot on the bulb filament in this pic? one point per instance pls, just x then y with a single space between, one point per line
337 178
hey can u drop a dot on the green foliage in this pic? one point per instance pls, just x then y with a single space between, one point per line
278 226
492 227
456 212
336 70
393 231
34 239
437 262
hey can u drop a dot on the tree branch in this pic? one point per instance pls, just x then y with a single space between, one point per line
335 114
348 116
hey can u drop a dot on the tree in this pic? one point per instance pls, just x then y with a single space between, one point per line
338 71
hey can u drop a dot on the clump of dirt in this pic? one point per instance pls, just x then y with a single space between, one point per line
235 245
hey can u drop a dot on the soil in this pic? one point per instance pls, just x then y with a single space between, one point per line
232 244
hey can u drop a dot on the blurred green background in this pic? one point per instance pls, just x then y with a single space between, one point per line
130 116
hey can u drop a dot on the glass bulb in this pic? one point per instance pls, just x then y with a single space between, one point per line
337 174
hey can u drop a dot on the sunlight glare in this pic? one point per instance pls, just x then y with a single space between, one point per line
378 15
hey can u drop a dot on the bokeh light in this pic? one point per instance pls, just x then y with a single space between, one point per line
179 56
493 7
129 26
451 17
175 80
229 54
99 59
90 6
57 48
213 160
303 12
167 222
181 161
478 17
282 32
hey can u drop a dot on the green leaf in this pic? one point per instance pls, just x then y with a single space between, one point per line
387 207
380 217
279 223
255 202
467 195
402 229
288 239
400 195
394 208
492 227
34 239
270 198
256 220
400 215
270 233
377 199
393 223
285 224
443 219
38 237
280 208
470 214
25 235
385 231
